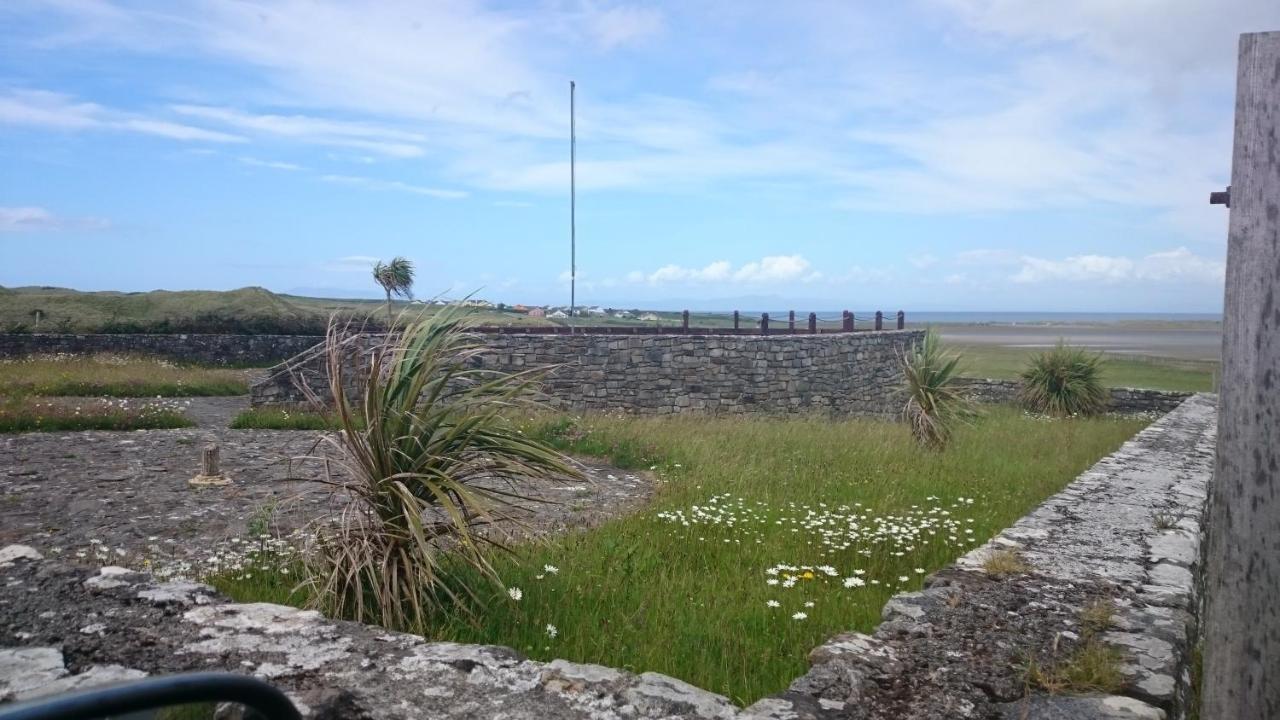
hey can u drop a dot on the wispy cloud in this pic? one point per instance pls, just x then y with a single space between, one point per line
767 270
1179 264
394 185
31 219
313 130
57 111
272 164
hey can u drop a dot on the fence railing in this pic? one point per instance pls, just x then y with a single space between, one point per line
764 325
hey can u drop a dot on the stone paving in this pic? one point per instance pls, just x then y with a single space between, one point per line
124 495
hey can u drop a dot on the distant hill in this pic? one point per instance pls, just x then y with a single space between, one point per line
250 310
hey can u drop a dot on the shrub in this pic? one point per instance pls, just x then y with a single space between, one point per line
1064 381
433 459
934 401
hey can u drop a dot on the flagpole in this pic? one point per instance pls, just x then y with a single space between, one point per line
573 210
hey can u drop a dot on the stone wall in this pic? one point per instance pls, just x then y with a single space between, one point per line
1126 533
848 373
1123 400
196 348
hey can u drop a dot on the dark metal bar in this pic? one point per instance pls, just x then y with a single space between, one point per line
879 320
156 693
764 324
684 321
813 323
902 320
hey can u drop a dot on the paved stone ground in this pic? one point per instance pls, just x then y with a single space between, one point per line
128 491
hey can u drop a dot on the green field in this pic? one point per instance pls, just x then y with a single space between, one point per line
1156 373
116 376
853 509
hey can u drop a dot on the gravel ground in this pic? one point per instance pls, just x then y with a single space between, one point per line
128 491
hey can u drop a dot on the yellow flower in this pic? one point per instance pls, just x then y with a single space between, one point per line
807 575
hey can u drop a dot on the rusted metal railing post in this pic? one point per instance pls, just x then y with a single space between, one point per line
684 321
791 321
902 320
764 324
813 323
735 321
879 320
846 321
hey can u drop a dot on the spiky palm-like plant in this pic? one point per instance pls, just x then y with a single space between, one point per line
396 278
431 460
1064 381
934 400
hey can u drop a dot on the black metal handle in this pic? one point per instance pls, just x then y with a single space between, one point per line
156 693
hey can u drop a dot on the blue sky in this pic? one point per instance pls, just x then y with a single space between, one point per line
930 155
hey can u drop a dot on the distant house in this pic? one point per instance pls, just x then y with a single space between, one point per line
623 315
537 312
596 312
558 314
477 303
519 308
649 317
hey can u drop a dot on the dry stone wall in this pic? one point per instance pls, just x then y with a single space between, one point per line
846 374
1123 400
211 349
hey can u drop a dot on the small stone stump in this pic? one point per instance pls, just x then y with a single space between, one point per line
211 474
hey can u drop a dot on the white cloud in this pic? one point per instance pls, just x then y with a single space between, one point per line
1178 264
272 164
772 269
622 25
14 219
394 185
31 218
386 141
57 111
718 271
923 260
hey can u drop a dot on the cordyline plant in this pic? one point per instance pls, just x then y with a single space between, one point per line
1064 381
431 460
935 403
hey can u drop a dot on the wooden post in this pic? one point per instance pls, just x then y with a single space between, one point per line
813 323
879 320
902 320
735 321
791 321
210 469
764 324
684 321
1242 622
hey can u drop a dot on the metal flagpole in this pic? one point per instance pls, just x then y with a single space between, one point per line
573 233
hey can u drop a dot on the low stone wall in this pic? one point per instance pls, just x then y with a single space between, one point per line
848 373
196 348
1126 533
1123 400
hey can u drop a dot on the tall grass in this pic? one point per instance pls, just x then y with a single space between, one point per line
1064 381
30 414
434 461
106 375
647 592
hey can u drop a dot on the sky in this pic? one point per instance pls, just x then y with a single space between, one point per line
923 154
